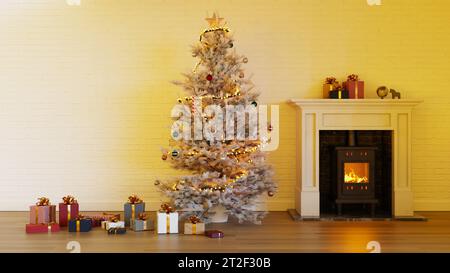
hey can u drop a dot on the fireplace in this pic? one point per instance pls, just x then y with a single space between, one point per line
355 177
385 124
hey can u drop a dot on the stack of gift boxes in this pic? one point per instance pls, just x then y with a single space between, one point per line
352 88
43 219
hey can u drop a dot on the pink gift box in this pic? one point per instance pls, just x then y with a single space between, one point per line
42 214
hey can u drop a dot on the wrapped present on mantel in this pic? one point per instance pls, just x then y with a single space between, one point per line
194 226
68 210
329 85
42 228
339 93
97 219
80 224
132 208
142 223
167 220
43 212
355 87
113 222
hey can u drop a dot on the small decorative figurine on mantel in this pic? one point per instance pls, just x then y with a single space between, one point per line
395 94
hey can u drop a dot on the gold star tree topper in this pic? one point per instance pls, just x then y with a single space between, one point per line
215 21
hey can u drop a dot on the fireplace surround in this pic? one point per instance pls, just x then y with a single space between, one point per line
315 115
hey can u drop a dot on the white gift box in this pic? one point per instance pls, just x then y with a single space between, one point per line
167 222
107 224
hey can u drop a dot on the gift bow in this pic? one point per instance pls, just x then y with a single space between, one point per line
352 77
194 219
166 208
330 80
79 217
142 216
134 199
43 201
69 200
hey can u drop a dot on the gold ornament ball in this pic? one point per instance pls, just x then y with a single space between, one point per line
245 60
241 75
157 182
270 193
382 91
164 157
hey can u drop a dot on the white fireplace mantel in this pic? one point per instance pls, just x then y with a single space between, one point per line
353 114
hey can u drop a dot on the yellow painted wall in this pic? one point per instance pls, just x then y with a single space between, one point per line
85 90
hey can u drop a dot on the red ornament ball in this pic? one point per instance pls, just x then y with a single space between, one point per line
209 77
270 193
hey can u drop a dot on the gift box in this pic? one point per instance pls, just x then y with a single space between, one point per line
167 220
339 94
142 223
117 231
110 224
97 219
214 233
355 87
80 225
43 212
68 210
132 208
330 84
194 226
42 228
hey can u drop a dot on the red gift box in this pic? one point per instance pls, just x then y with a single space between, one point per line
42 228
355 89
67 212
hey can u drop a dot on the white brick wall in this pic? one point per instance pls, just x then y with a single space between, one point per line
85 92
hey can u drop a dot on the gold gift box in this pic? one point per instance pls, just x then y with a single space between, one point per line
190 228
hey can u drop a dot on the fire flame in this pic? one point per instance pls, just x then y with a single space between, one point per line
352 177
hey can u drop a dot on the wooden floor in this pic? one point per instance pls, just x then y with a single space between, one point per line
278 233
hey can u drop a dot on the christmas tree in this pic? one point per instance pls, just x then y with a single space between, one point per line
229 169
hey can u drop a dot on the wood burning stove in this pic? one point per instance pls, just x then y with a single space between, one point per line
355 175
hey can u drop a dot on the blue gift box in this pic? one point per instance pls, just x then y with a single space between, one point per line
83 225
131 211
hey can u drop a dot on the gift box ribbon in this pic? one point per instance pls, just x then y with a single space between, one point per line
194 220
143 217
78 221
167 209
68 201
43 201
134 199
36 209
168 222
